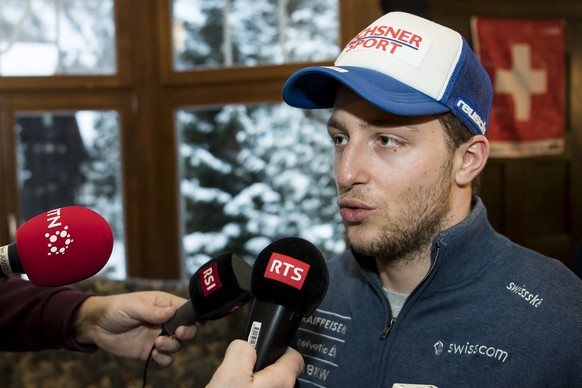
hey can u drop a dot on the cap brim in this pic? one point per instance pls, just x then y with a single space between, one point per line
315 87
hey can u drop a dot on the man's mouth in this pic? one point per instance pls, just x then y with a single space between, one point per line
353 210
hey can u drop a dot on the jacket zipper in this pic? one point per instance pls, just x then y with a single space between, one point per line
388 327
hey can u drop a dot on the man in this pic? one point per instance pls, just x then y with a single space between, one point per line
428 294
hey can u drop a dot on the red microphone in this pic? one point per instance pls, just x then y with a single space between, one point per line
59 247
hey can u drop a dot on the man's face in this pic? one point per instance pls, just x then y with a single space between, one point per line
393 176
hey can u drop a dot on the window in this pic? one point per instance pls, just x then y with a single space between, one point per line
253 173
227 33
72 158
157 81
46 37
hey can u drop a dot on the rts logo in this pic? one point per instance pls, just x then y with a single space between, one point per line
286 269
209 280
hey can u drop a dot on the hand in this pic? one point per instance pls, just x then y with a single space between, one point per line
127 325
236 370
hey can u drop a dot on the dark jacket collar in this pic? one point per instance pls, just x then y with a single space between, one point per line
460 251
466 248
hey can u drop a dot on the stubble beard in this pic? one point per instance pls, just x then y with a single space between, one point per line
408 235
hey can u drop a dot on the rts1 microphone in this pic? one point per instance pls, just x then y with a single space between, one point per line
59 247
218 288
289 281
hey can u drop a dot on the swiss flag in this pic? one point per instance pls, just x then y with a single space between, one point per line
525 60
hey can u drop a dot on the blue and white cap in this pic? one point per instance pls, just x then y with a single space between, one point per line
405 65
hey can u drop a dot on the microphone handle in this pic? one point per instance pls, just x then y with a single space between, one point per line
9 260
185 315
270 329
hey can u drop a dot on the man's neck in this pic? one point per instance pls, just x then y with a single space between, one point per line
405 273
403 276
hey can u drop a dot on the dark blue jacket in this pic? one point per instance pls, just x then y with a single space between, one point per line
490 313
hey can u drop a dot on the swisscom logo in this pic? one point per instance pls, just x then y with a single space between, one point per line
468 349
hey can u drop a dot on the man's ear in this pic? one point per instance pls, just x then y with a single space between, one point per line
473 156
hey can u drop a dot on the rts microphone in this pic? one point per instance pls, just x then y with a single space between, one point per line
289 281
218 288
59 247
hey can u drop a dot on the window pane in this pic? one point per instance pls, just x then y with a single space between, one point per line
47 37
224 33
251 174
73 158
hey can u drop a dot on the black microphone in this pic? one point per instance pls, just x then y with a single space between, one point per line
218 288
289 281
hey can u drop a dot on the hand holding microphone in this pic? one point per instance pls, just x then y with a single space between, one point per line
59 247
218 288
239 360
289 280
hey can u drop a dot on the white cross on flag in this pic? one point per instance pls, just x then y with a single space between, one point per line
525 60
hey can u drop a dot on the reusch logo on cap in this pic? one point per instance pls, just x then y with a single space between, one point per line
472 115
209 280
286 269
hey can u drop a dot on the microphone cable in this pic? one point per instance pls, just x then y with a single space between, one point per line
147 362
148 359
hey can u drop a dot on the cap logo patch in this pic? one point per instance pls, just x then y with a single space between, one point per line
399 43
472 114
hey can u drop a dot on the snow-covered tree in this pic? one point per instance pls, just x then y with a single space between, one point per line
252 174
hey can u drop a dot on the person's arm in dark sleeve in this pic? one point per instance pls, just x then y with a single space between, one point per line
35 318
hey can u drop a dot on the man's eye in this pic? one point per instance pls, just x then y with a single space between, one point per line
338 140
387 141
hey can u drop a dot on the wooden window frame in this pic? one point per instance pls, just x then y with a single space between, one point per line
147 92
